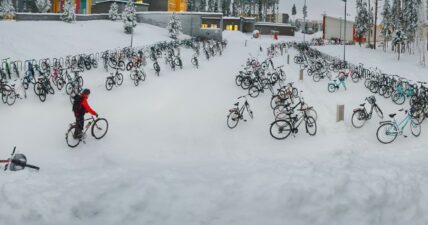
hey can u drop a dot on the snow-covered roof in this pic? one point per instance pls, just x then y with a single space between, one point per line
231 18
190 13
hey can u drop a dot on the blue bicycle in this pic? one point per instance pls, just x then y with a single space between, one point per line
335 85
389 130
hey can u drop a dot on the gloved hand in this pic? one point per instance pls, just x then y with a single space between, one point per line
96 115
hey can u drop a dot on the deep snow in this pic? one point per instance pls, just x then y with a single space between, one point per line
169 157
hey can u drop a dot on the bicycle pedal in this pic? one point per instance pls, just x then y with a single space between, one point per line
405 136
245 120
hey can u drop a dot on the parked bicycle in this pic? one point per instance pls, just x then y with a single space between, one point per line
236 113
360 115
389 130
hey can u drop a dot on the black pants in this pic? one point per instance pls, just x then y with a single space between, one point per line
80 122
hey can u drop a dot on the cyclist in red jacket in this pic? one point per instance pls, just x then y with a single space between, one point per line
80 108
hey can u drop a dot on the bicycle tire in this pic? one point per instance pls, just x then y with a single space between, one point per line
109 83
311 125
331 88
101 125
119 79
280 129
11 98
69 137
233 119
253 91
358 115
383 129
415 128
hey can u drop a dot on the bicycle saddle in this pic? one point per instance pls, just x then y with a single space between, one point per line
334 80
362 105
392 115
236 104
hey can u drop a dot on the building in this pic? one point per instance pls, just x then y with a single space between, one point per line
104 6
167 5
270 28
283 18
334 28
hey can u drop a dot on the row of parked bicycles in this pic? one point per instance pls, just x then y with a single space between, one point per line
288 105
398 89
16 77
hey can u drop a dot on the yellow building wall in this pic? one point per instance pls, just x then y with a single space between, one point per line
177 5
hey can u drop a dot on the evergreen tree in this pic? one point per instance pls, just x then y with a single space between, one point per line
190 6
7 9
410 18
113 13
211 5
128 17
174 26
43 5
203 6
363 20
387 22
235 8
69 12
293 10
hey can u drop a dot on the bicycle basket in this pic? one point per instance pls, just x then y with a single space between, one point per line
371 99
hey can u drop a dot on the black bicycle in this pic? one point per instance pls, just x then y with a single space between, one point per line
99 128
281 129
137 75
360 115
114 79
236 114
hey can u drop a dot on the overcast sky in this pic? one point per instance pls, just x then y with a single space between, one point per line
317 7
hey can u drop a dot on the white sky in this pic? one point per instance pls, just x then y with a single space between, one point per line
333 8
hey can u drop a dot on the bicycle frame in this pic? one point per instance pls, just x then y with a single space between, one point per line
400 126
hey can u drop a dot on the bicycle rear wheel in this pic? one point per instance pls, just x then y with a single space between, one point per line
99 128
69 137
233 119
280 129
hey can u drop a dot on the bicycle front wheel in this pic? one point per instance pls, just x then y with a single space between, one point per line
386 133
99 128
415 128
280 129
69 138
311 125
109 83
358 119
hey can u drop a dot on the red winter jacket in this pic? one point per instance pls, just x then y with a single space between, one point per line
86 105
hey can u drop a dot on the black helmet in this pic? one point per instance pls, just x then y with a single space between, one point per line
86 91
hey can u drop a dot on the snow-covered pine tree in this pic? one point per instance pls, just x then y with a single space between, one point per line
128 17
410 19
69 12
174 26
386 23
362 20
293 10
203 6
190 6
6 9
211 5
420 35
235 9
43 5
113 13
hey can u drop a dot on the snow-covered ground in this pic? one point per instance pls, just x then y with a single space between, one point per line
169 157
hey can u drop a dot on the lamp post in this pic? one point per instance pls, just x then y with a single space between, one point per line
375 24
304 22
344 36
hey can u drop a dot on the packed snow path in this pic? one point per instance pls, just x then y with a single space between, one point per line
169 157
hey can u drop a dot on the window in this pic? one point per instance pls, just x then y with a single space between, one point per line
213 25
236 27
204 25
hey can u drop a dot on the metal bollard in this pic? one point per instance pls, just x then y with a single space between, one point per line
288 59
301 75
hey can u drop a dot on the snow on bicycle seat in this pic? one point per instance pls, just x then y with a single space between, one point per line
392 115
362 105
